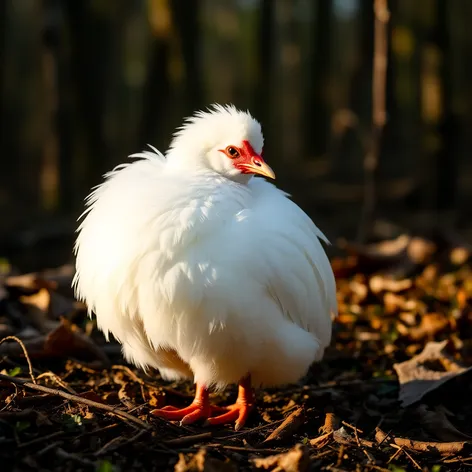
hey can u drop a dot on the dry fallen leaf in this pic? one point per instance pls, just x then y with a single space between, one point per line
459 255
430 325
417 376
295 460
27 284
36 308
125 393
380 283
65 340
438 424
291 424
68 340
202 462
420 250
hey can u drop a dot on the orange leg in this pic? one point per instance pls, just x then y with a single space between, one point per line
201 409
239 411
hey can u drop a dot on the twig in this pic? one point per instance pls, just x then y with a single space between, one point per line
340 384
133 376
74 457
185 440
47 448
384 438
291 424
244 449
442 448
322 454
340 456
376 467
25 352
395 454
34 399
457 459
331 423
18 415
354 428
315 442
58 380
98 430
379 114
118 442
75 398
128 371
409 456
370 457
41 439
248 432
342 437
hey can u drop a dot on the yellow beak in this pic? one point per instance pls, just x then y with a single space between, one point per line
261 168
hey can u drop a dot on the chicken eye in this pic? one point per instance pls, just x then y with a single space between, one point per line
232 152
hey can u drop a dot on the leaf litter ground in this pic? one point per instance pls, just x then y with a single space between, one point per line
393 392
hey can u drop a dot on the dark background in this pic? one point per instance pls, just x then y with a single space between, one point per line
84 83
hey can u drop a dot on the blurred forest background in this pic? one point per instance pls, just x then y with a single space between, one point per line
85 83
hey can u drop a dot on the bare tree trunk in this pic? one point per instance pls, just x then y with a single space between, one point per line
287 79
3 21
441 133
89 38
265 65
316 116
186 19
265 56
157 88
57 174
446 158
4 141
352 146
379 118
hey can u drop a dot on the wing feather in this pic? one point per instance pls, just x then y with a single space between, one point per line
297 271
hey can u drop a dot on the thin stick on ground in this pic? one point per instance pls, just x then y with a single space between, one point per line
25 352
62 454
290 425
443 448
75 398
118 442
186 440
58 380
409 457
133 376
41 439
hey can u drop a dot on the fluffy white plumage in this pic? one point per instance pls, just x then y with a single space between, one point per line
202 271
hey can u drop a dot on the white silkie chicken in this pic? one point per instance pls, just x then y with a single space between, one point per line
203 271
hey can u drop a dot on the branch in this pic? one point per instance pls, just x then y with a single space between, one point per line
291 424
379 114
75 398
25 352
442 448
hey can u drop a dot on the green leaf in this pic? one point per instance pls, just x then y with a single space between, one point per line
72 422
396 468
14 372
436 468
105 466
